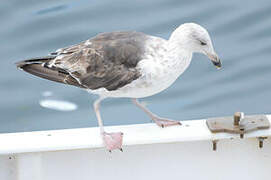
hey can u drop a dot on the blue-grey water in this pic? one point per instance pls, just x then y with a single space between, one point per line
240 30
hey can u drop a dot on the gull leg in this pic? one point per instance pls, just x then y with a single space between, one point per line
111 140
162 122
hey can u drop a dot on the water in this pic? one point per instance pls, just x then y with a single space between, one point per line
241 32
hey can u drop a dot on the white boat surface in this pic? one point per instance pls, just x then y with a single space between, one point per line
149 152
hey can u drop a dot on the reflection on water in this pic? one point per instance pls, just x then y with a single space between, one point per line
241 35
59 105
51 101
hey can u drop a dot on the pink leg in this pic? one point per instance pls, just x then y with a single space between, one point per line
162 122
111 140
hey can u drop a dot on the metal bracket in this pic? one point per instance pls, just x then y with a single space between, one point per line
261 139
239 124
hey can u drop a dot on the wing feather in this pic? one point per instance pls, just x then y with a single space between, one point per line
108 60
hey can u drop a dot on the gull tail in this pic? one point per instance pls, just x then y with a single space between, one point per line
40 67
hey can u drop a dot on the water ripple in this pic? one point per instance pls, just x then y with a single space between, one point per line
239 30
52 9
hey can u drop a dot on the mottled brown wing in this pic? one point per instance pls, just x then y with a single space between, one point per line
106 61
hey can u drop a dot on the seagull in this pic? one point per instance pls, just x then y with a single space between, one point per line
126 64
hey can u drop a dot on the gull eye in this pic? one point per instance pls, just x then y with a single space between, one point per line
203 43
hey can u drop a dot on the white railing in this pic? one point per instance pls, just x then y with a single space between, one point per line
150 152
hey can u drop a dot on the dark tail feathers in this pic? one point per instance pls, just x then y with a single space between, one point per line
39 67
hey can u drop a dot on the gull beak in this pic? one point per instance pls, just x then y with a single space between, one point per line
215 60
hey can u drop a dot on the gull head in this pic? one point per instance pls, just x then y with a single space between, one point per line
194 38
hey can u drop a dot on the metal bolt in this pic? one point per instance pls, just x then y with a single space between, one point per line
261 139
237 117
242 133
260 144
214 144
